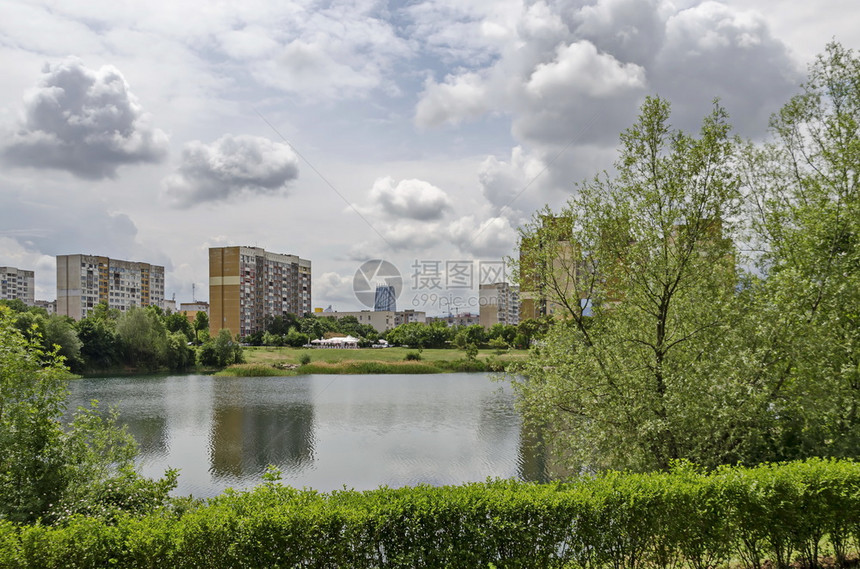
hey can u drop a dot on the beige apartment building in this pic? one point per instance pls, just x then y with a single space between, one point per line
18 284
84 281
499 303
249 284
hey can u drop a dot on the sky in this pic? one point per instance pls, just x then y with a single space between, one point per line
422 133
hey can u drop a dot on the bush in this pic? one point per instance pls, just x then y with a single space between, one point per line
412 356
682 518
305 359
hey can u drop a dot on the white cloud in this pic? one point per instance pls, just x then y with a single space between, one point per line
230 166
412 199
491 238
459 98
579 69
84 121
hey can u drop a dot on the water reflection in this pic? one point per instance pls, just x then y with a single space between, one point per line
323 432
249 432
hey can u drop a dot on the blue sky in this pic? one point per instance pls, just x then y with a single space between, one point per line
346 131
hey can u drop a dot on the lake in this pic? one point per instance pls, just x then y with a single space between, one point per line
324 432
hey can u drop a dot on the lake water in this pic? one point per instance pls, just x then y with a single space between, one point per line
323 431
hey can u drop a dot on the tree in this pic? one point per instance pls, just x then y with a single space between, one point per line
805 212
99 348
178 322
201 324
48 471
142 337
640 270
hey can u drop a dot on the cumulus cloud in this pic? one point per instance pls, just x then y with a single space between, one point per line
491 238
459 98
84 121
229 167
579 73
412 199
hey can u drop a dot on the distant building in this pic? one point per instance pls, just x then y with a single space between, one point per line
385 299
84 281
465 319
49 305
190 309
409 316
499 304
247 285
381 320
18 284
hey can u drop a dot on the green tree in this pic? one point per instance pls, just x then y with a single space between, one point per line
48 471
178 322
201 326
641 272
142 337
99 348
804 347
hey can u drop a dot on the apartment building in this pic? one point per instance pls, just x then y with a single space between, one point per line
247 285
18 284
84 281
499 303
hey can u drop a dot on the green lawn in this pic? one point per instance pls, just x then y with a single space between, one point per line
286 355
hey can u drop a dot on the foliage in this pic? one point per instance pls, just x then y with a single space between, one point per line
683 518
49 472
420 335
664 348
805 207
142 337
641 274
224 350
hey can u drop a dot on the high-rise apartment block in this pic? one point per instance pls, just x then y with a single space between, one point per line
17 284
84 281
249 284
499 304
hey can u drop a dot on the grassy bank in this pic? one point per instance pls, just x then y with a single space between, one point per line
269 361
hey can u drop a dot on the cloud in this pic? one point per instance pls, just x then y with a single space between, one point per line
230 166
577 74
412 199
580 68
492 238
331 288
84 121
459 98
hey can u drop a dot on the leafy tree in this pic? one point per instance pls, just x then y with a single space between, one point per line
419 335
178 322
470 335
48 471
296 339
805 209
142 337
201 325
641 274
99 349
224 350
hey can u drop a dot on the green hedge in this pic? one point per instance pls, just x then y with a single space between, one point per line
794 512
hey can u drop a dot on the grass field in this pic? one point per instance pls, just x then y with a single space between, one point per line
262 361
286 355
